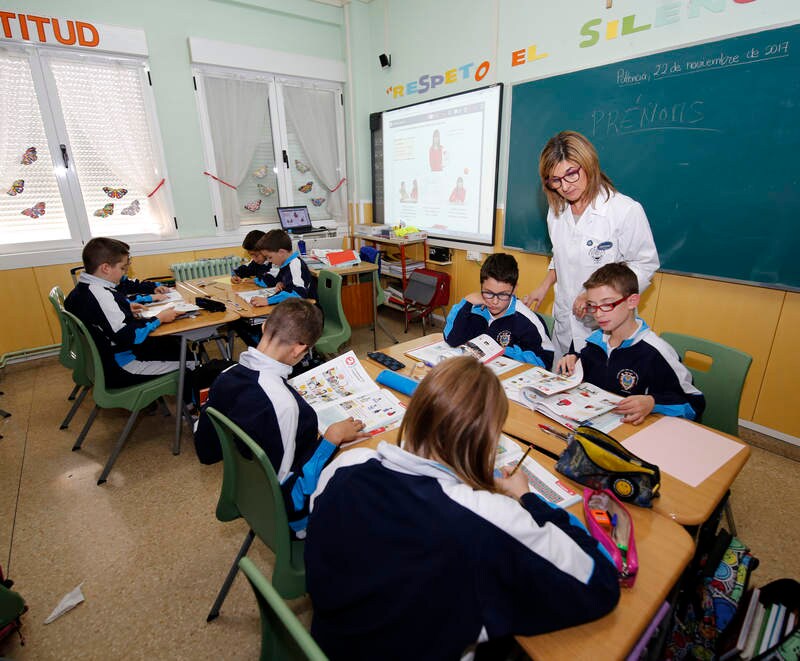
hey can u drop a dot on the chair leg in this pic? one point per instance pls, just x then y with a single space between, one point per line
162 403
385 330
226 586
223 348
729 517
85 430
118 447
75 406
74 392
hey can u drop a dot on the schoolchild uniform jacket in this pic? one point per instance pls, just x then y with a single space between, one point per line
405 561
106 312
643 364
294 275
252 270
254 394
519 329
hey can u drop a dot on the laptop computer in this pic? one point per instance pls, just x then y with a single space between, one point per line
295 220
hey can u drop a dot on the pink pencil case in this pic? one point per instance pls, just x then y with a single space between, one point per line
610 523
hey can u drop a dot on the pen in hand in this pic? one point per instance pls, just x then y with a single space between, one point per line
519 463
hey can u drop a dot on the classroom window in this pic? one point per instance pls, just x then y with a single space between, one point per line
271 142
79 150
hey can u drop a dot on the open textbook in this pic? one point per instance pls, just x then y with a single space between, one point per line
583 403
180 306
540 480
341 388
252 293
483 347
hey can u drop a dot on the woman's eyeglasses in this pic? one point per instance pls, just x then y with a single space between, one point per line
570 176
604 307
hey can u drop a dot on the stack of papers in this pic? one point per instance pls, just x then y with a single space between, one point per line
251 293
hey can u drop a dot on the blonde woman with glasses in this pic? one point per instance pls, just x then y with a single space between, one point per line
590 224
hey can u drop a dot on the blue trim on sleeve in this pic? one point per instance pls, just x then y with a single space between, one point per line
282 296
259 281
451 318
142 298
516 353
124 357
142 333
306 484
676 410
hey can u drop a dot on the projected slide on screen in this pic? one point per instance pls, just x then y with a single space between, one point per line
440 165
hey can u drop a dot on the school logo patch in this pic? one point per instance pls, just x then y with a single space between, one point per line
627 379
504 338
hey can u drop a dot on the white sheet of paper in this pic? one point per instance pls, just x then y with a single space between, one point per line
67 603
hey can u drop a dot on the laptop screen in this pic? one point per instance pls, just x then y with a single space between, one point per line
294 219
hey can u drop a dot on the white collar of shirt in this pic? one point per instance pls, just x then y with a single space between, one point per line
402 461
256 360
90 279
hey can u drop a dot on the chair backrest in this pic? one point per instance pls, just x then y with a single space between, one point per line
721 384
337 328
67 355
250 489
549 321
283 636
75 273
421 288
88 355
441 297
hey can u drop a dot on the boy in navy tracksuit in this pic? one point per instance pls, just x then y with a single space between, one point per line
129 355
285 270
256 267
496 312
254 394
625 357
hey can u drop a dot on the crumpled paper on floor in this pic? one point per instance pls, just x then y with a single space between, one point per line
67 603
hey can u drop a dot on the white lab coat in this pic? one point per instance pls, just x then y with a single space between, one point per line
611 230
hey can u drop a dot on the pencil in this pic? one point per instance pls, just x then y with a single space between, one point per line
519 463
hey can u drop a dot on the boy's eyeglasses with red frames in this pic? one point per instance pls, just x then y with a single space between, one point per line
605 307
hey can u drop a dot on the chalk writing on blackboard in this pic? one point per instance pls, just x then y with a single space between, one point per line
648 115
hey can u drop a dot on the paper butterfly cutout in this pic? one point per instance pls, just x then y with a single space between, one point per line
302 168
17 187
253 206
306 187
317 201
116 193
261 172
132 209
35 211
266 191
29 156
106 211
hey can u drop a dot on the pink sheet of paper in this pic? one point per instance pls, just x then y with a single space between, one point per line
688 452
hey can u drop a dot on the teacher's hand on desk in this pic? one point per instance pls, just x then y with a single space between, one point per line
635 408
345 431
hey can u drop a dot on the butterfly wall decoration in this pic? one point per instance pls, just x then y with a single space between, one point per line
266 191
302 168
116 193
17 187
261 172
306 187
106 211
132 209
29 156
253 206
35 211
317 201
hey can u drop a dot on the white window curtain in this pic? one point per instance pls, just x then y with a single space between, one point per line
237 112
313 114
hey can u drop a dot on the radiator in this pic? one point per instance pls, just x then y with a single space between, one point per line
203 268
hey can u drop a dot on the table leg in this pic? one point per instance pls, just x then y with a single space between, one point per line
375 285
176 447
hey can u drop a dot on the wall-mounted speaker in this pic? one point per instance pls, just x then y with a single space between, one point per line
385 60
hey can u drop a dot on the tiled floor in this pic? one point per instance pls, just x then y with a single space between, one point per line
149 551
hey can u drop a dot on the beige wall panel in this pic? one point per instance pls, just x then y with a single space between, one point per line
777 402
739 316
25 322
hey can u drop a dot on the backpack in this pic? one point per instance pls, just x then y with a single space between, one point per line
12 606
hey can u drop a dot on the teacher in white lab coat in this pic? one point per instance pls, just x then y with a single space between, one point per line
590 224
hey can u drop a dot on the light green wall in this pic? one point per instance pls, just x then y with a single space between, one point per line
295 26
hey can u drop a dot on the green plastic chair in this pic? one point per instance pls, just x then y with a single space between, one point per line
549 321
283 637
250 490
68 356
721 384
132 398
336 330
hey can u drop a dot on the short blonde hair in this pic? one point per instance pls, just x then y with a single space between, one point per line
572 146
455 417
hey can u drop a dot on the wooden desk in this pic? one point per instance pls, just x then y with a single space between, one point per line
664 550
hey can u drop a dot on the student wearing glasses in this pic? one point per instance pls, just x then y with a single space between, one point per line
496 312
590 224
625 357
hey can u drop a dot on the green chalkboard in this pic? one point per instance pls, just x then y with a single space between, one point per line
706 137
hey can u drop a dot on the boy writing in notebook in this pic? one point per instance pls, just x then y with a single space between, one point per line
129 355
256 267
254 394
625 357
285 270
497 312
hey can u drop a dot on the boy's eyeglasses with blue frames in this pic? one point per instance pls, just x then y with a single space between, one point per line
500 296
605 307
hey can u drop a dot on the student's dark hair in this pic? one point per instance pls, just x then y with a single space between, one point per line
103 250
502 267
294 320
455 417
251 240
275 240
616 275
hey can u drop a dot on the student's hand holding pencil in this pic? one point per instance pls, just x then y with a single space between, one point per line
514 483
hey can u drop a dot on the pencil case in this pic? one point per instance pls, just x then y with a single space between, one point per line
209 304
596 460
610 523
397 382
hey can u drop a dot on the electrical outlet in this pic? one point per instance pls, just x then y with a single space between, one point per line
473 256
